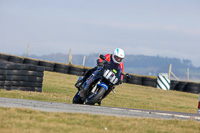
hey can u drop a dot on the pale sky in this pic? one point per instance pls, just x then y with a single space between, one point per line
168 28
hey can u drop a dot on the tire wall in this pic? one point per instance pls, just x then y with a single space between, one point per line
18 76
74 70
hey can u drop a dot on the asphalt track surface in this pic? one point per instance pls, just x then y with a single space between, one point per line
97 110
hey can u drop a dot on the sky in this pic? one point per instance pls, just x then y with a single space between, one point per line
167 28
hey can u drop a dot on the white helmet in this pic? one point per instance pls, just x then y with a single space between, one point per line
118 55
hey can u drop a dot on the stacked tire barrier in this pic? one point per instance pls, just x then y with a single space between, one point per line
24 77
191 87
74 70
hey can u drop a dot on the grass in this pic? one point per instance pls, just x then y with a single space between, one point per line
31 121
60 88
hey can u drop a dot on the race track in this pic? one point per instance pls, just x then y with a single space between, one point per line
98 110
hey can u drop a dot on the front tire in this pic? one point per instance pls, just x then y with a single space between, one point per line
94 98
77 99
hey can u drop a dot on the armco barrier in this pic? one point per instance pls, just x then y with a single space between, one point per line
79 70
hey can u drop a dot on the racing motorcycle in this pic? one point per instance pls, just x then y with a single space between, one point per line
99 84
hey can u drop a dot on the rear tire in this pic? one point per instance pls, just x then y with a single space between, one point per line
77 99
94 98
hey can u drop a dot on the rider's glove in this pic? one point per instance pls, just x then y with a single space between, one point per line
99 64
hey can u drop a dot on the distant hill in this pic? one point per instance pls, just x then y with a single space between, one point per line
135 64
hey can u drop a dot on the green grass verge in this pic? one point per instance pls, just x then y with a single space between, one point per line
30 121
60 88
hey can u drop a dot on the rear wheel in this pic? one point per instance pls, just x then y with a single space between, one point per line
77 99
96 97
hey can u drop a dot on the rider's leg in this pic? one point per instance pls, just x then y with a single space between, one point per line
87 74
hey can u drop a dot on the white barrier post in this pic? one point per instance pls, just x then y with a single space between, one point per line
163 81
198 112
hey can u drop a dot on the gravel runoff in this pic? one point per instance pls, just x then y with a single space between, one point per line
98 110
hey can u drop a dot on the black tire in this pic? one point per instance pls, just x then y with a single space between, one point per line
38 84
135 80
9 72
39 74
78 69
38 89
1 87
77 99
20 72
146 81
30 88
31 61
10 66
8 88
16 66
39 79
32 73
75 73
15 83
51 69
3 72
173 84
61 70
8 83
2 77
2 83
49 66
40 69
20 78
15 88
94 98
32 67
27 84
181 86
63 66
31 79
15 59
24 67
9 77
3 66
4 57
192 88
22 88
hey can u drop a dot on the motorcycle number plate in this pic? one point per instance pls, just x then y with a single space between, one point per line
109 75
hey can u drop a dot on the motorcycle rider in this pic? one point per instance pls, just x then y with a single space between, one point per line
115 58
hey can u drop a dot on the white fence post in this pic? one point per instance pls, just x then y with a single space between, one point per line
84 60
28 50
70 57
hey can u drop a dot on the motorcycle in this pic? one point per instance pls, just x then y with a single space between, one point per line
99 84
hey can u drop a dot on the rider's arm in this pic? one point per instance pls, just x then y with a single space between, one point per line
122 67
107 58
100 61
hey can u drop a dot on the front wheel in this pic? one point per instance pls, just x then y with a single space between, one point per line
94 98
77 99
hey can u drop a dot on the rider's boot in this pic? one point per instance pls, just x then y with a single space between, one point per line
99 103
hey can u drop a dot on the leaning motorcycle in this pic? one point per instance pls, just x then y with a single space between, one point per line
99 84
